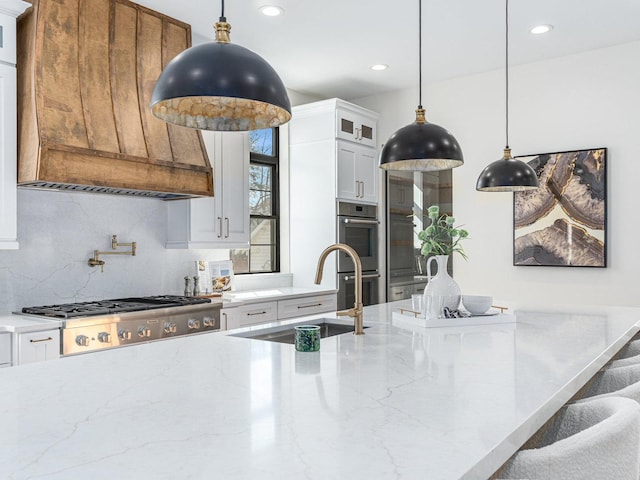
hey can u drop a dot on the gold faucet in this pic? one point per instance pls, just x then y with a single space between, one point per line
95 260
356 311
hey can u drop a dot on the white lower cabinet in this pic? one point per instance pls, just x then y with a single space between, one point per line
252 314
5 350
37 346
256 313
299 307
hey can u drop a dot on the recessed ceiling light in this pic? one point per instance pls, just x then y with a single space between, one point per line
271 10
379 67
540 29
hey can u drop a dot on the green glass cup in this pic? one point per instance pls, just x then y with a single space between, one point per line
307 338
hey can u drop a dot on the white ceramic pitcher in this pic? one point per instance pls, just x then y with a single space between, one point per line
441 290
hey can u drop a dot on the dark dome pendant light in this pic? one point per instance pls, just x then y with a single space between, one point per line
507 174
421 146
220 86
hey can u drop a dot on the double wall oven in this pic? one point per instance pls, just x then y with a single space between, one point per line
358 226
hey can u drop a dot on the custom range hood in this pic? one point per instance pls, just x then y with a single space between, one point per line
86 72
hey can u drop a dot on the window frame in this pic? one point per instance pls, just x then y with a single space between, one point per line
272 161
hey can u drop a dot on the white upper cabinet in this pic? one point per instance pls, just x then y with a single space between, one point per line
357 173
9 10
347 129
8 155
221 220
336 119
355 127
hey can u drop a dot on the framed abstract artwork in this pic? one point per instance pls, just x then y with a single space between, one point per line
564 222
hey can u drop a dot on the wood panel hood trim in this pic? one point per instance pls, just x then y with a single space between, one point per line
86 72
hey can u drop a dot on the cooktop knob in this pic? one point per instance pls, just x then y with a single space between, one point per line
170 327
124 334
208 321
104 337
144 332
83 340
193 324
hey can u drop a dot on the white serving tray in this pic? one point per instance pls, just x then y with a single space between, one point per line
408 318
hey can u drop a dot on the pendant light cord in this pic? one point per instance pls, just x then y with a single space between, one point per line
420 52
506 72
222 17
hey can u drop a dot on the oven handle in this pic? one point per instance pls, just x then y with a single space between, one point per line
353 277
359 221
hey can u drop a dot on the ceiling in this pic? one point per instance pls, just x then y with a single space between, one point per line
325 48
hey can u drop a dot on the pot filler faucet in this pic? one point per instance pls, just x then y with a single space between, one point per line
356 311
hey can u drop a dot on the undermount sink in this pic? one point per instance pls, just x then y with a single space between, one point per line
286 333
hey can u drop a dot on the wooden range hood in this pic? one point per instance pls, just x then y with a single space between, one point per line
86 72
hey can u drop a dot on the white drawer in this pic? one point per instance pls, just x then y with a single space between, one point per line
38 346
252 314
300 307
5 349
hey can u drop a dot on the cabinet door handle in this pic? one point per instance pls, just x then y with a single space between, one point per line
226 219
41 340
256 313
310 306
219 227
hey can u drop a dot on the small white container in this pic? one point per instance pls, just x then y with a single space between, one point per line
476 304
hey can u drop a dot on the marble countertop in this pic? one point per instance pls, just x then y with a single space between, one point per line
441 403
242 297
22 324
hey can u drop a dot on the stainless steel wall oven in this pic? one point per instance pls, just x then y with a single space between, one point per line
358 227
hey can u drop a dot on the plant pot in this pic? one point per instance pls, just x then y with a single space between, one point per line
441 288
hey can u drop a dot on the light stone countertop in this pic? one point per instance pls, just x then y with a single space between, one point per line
23 324
243 297
395 403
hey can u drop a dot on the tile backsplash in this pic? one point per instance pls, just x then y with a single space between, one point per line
58 232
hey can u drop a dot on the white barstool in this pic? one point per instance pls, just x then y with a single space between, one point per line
615 382
623 362
595 440
631 349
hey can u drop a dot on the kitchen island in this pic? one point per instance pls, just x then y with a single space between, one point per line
397 402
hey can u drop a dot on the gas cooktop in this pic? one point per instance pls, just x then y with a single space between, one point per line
106 307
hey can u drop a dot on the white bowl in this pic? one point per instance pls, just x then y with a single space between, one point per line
476 304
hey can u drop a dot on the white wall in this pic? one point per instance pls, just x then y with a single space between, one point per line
58 232
575 102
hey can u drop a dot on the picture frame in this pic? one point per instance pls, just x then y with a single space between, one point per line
564 222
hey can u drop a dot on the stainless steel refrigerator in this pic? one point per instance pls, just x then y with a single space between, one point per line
409 195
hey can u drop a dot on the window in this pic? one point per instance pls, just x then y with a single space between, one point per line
263 254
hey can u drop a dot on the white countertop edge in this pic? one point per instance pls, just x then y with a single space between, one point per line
503 451
16 323
237 298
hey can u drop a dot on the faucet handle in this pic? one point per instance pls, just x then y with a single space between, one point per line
351 312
